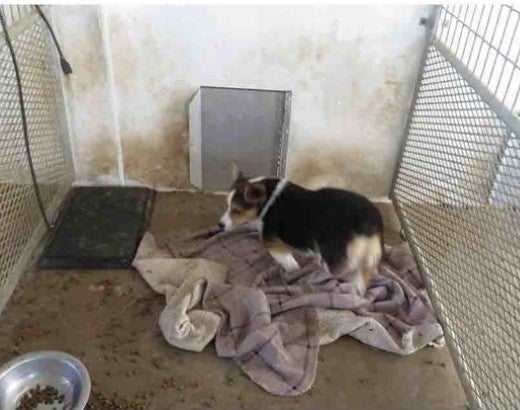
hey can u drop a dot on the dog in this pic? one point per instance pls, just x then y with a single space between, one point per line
342 228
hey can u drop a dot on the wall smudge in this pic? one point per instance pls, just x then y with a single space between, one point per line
100 158
94 148
160 161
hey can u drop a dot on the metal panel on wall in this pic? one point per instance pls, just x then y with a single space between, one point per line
247 127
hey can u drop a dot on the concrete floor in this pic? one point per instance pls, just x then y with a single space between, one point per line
115 332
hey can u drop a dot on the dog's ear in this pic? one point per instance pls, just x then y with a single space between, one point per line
255 193
236 174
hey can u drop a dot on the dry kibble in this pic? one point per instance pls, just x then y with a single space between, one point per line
35 396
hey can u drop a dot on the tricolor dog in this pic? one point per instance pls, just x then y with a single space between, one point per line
343 228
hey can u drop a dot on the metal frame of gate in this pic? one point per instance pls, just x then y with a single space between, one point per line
21 223
457 192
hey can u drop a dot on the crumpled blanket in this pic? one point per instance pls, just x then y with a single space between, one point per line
225 286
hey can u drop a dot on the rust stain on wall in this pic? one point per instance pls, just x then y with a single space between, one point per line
160 161
100 159
318 166
363 158
153 102
80 38
388 100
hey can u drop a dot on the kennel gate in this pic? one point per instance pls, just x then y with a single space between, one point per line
457 192
21 224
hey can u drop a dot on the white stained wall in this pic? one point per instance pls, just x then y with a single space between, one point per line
351 70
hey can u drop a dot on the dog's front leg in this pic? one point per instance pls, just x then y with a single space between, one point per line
281 253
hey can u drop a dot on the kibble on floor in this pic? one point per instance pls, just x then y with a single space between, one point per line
98 401
109 320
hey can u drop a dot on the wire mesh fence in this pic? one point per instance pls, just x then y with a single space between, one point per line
457 190
486 40
20 221
15 12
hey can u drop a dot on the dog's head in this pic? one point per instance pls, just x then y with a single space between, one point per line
245 200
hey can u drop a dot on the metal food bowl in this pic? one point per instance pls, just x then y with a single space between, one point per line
47 368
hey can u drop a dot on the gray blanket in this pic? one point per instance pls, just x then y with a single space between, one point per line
224 285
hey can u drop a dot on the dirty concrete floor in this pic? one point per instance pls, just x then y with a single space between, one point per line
109 320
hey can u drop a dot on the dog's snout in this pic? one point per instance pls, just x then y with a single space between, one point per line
221 225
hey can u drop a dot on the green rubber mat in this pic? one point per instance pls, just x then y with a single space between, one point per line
99 228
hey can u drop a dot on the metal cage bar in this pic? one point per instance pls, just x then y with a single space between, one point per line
457 192
21 225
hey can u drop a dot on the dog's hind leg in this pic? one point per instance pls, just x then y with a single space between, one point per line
364 255
282 254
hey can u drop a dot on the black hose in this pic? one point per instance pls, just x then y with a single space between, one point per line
65 66
24 121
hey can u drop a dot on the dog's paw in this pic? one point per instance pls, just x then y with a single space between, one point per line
285 260
359 285
291 265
